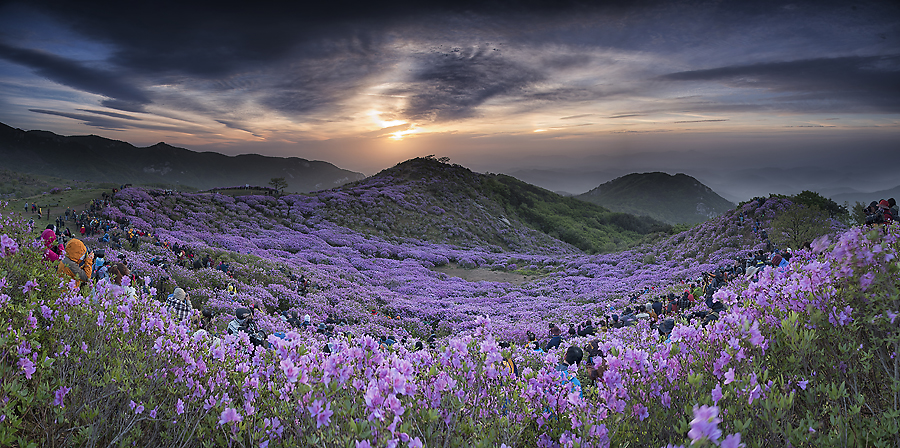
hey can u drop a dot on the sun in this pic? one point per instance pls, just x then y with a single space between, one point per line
376 117
399 135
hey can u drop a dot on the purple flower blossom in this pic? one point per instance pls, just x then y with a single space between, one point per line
866 280
705 424
59 395
321 413
640 411
30 285
230 415
179 407
8 246
363 444
732 441
137 409
729 376
290 370
27 366
802 384
717 393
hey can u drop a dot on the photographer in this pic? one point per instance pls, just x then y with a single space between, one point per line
873 214
243 321
78 262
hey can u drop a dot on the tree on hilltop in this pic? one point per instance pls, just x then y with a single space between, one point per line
799 225
279 184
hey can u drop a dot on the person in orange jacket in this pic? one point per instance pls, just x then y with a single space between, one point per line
78 262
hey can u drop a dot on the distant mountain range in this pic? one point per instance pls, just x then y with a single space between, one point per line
866 198
673 199
100 159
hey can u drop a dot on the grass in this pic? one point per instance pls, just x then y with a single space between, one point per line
54 204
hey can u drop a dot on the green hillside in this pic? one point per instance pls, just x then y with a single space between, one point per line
428 199
674 199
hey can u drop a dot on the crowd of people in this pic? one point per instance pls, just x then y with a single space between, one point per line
884 211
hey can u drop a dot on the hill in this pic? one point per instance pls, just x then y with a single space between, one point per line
100 159
427 199
674 199
866 198
108 364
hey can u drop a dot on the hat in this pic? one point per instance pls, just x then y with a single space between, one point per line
241 313
884 204
306 318
555 331
666 326
48 235
179 294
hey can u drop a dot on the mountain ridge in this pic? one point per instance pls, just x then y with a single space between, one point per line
105 160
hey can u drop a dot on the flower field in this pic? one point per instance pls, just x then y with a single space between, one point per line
805 356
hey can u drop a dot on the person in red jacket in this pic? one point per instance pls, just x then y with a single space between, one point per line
52 251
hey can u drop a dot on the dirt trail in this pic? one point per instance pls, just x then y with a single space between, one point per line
482 274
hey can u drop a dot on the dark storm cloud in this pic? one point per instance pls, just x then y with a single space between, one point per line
195 38
861 83
452 85
78 76
320 83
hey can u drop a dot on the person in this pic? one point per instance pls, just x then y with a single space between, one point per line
179 303
555 338
587 329
573 356
203 323
101 271
78 262
884 208
117 272
778 261
895 212
52 251
293 320
241 316
533 343
243 321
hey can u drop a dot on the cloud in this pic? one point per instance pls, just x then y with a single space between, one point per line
89 120
78 76
238 126
452 85
111 123
846 84
110 114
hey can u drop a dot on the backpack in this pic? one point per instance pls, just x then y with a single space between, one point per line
510 366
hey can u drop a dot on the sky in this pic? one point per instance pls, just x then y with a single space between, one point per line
749 97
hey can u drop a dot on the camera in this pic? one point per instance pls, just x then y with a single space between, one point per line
874 218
